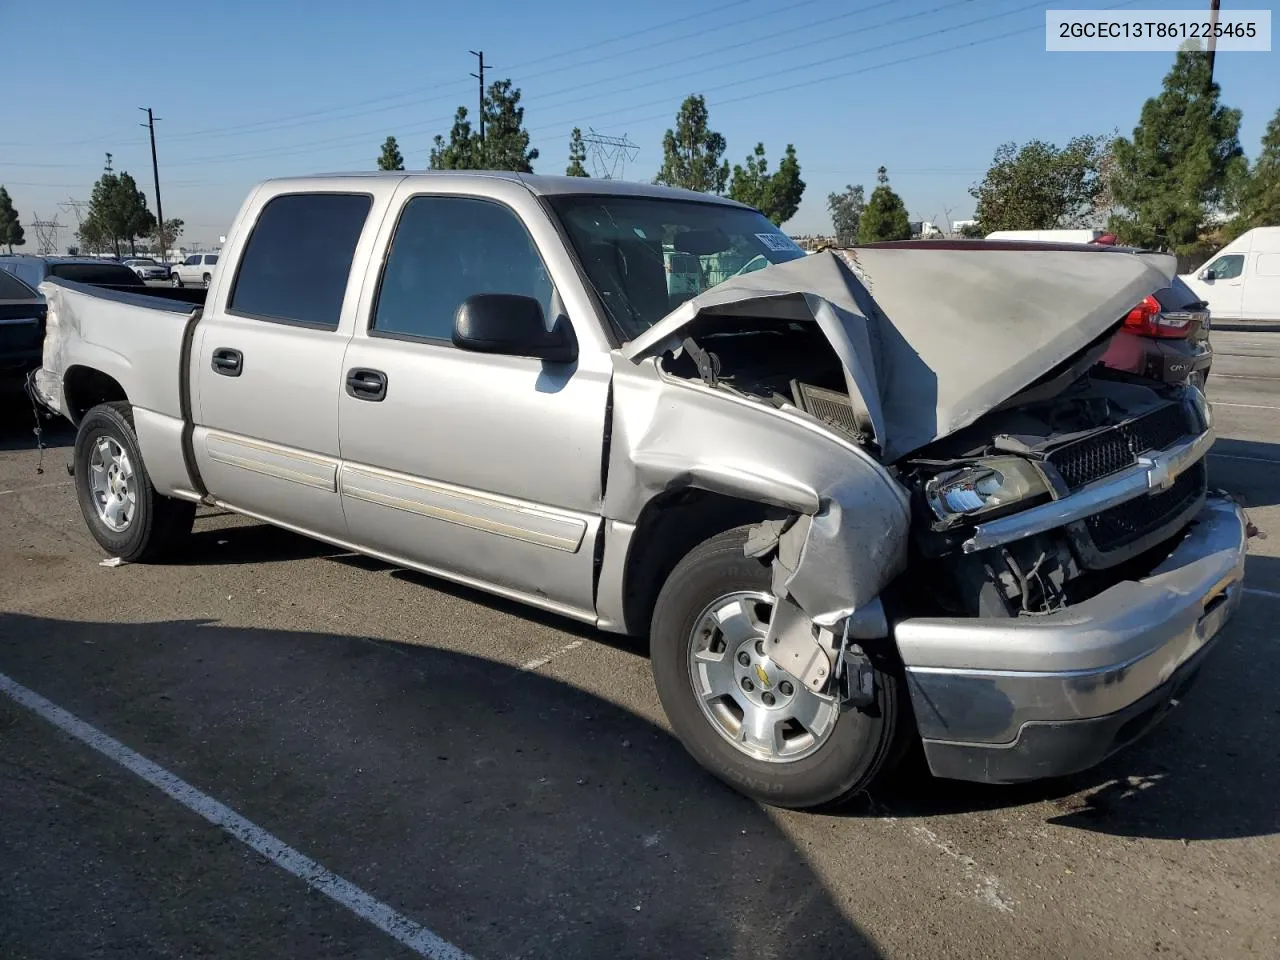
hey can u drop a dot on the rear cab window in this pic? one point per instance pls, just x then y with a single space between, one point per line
296 263
116 274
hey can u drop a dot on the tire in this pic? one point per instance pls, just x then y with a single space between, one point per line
861 744
207 278
175 280
154 525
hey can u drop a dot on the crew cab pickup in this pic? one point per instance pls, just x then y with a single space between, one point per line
852 498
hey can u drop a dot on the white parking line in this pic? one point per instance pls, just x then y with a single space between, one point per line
1262 593
1236 456
1247 406
37 486
413 935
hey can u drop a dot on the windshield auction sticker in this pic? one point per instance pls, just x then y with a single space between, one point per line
777 242
1120 31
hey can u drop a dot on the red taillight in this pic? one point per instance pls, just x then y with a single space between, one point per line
1147 320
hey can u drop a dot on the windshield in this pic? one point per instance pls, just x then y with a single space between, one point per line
11 288
645 255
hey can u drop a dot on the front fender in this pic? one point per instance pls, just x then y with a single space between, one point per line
669 434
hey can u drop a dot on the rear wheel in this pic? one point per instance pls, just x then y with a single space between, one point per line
125 514
738 713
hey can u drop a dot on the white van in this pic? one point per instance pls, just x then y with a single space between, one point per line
1054 236
1242 281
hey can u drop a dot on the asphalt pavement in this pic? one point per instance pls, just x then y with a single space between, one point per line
504 780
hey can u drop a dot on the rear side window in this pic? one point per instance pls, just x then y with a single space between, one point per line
211 261
447 249
295 266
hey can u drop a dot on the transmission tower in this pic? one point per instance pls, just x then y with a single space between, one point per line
609 156
46 235
76 208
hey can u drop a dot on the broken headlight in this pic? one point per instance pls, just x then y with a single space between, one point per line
983 487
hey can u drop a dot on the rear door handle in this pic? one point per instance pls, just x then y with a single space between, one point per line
228 362
365 384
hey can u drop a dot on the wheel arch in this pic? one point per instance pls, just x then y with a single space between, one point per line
670 525
85 387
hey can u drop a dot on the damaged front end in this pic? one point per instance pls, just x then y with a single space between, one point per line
958 379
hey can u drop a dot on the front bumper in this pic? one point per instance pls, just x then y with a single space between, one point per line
1000 701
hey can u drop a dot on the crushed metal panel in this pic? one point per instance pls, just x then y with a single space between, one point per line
933 339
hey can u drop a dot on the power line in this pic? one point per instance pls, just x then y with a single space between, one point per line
326 114
292 149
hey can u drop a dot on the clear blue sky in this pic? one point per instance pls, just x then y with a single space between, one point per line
248 90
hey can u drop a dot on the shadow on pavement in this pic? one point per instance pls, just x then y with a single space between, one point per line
509 812
1208 772
1247 469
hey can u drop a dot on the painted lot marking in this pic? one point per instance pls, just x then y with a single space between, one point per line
37 486
1262 593
1237 456
408 932
1247 406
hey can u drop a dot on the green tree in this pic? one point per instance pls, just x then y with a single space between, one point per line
118 210
11 232
776 195
885 217
846 212
166 237
577 155
1184 152
506 141
1255 194
971 231
462 150
691 152
1039 186
93 236
391 158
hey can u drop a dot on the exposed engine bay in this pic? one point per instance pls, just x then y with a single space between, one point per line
1078 424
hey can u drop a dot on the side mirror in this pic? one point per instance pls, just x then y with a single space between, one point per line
1204 275
513 325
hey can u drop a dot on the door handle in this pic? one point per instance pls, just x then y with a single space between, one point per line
364 384
228 362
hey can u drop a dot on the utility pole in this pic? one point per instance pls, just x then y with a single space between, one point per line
479 55
155 172
1213 40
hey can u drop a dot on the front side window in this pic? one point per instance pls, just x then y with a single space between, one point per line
447 249
295 266
1227 268
191 261
630 246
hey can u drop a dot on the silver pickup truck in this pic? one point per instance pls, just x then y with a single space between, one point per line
853 499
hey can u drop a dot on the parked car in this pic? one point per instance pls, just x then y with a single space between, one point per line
148 268
851 498
1165 337
22 313
1242 282
197 268
98 271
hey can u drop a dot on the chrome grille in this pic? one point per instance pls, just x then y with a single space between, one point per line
1109 451
1131 521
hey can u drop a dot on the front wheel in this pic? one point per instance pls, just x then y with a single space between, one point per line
207 278
175 280
739 714
125 514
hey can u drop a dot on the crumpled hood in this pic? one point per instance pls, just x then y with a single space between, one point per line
931 339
